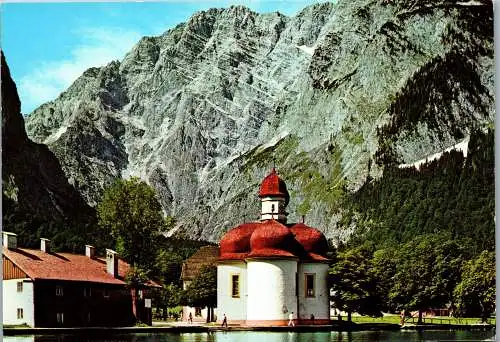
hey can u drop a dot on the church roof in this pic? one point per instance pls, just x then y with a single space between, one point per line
311 239
271 236
273 185
272 239
237 240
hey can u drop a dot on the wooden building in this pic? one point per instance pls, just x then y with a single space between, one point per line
46 289
206 255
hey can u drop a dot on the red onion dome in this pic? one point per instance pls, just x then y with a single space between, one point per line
271 239
235 244
273 185
311 239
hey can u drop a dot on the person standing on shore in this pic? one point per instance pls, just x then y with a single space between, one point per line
224 321
190 319
290 322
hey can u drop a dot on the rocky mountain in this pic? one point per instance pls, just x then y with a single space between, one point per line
329 96
36 193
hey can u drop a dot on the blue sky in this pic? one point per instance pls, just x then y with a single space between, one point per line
48 45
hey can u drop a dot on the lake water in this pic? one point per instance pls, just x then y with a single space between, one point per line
258 336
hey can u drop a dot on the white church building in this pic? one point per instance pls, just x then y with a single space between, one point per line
270 269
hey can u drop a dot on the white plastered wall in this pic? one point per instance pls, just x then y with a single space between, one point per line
12 300
204 314
267 208
271 289
189 309
234 308
319 304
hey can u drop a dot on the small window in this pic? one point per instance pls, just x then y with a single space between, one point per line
60 317
106 293
19 286
309 285
87 292
59 290
235 286
20 313
197 311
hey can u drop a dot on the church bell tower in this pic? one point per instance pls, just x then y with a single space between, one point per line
274 198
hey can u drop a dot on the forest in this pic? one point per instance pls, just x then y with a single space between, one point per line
423 238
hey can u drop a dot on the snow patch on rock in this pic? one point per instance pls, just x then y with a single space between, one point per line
460 147
56 135
307 49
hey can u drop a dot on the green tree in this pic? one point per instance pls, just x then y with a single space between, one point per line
475 294
384 268
131 213
428 268
136 277
168 297
168 266
202 291
354 284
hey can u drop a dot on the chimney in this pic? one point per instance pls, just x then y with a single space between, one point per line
45 245
9 240
112 262
90 251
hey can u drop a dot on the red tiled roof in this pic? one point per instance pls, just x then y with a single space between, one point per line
237 240
273 185
316 257
233 256
272 239
65 266
270 253
270 235
311 239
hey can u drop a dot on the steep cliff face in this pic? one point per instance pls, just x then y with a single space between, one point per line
36 192
203 111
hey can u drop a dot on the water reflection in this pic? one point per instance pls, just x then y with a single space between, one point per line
260 336
244 336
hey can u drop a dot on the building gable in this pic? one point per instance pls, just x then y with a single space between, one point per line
11 270
204 256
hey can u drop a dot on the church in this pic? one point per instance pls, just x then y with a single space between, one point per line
270 270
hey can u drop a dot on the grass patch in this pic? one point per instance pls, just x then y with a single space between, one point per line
395 319
142 325
13 326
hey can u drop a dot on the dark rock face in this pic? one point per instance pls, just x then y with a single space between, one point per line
34 186
330 96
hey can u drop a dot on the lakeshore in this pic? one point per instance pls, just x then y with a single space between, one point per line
182 327
260 336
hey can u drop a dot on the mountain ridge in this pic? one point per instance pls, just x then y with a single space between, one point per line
36 195
204 110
